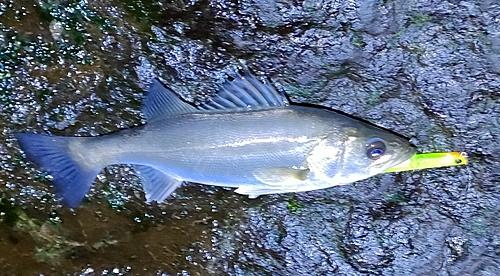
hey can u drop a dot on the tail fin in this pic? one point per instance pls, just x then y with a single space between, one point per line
70 180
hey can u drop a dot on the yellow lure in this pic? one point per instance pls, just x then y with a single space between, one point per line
431 160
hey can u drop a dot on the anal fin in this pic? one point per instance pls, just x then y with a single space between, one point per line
157 185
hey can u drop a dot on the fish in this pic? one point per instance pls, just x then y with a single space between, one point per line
248 136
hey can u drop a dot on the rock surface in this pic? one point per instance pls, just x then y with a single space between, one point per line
429 70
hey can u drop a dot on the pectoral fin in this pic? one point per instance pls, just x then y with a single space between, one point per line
281 176
157 185
276 180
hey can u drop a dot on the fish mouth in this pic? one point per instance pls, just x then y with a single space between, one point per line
409 152
404 154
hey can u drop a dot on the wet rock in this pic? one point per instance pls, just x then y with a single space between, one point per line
425 69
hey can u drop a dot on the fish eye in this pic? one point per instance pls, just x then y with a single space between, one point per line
375 148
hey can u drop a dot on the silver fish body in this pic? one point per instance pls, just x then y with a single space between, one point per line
254 141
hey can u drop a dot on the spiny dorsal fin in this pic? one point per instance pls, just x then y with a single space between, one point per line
246 92
162 102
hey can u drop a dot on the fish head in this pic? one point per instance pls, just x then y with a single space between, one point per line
356 153
369 150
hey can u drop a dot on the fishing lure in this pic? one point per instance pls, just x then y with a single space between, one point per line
431 160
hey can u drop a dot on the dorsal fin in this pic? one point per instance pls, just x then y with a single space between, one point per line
162 102
245 92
